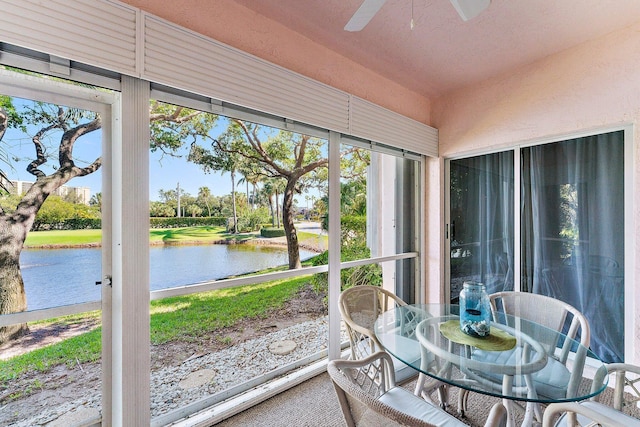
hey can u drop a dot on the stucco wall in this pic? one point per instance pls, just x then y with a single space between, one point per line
237 26
592 88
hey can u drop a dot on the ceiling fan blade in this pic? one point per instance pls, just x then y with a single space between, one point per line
363 15
469 9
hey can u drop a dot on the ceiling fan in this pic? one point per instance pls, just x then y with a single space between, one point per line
467 9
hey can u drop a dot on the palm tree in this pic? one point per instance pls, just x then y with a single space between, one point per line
204 195
96 200
218 160
273 187
250 175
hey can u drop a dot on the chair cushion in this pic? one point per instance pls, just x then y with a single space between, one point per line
407 348
620 418
551 381
411 353
404 401
403 372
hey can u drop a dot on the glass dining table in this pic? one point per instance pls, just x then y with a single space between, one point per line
518 361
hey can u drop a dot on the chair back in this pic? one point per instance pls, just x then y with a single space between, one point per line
360 306
359 384
547 311
626 392
621 408
368 396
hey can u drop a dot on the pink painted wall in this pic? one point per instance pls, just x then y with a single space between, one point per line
589 88
237 26
593 85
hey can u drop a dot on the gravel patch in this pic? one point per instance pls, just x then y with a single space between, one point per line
201 376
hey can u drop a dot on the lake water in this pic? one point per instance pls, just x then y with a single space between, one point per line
55 277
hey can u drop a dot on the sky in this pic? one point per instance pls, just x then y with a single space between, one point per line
166 172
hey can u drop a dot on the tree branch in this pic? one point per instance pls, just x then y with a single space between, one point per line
314 165
65 152
173 117
32 168
4 122
91 168
254 141
300 150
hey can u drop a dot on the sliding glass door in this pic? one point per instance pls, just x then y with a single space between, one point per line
573 231
481 222
570 228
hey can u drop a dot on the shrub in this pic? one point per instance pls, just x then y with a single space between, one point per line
370 274
68 224
353 237
272 232
253 220
187 222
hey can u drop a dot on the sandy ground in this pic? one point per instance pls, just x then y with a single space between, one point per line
24 397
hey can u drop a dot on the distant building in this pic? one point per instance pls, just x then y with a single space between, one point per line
83 194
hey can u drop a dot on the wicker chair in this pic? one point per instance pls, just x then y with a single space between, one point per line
360 306
623 412
554 380
368 396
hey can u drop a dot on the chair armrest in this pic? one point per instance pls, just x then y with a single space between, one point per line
626 367
359 363
597 417
627 377
385 368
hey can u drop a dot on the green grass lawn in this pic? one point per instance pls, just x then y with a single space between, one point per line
311 238
191 234
63 237
184 318
168 235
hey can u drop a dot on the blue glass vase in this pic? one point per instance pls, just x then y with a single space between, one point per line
475 310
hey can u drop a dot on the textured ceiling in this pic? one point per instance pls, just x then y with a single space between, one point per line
443 53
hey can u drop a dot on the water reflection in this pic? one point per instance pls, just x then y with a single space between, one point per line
55 277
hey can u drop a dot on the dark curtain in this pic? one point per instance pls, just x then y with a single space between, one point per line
572 231
481 226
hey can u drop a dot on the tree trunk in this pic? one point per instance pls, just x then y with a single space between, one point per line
289 227
273 216
233 202
13 298
248 204
253 196
14 227
277 208
13 232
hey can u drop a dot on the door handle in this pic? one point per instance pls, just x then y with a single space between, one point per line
107 280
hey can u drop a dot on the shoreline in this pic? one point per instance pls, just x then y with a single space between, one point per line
266 241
